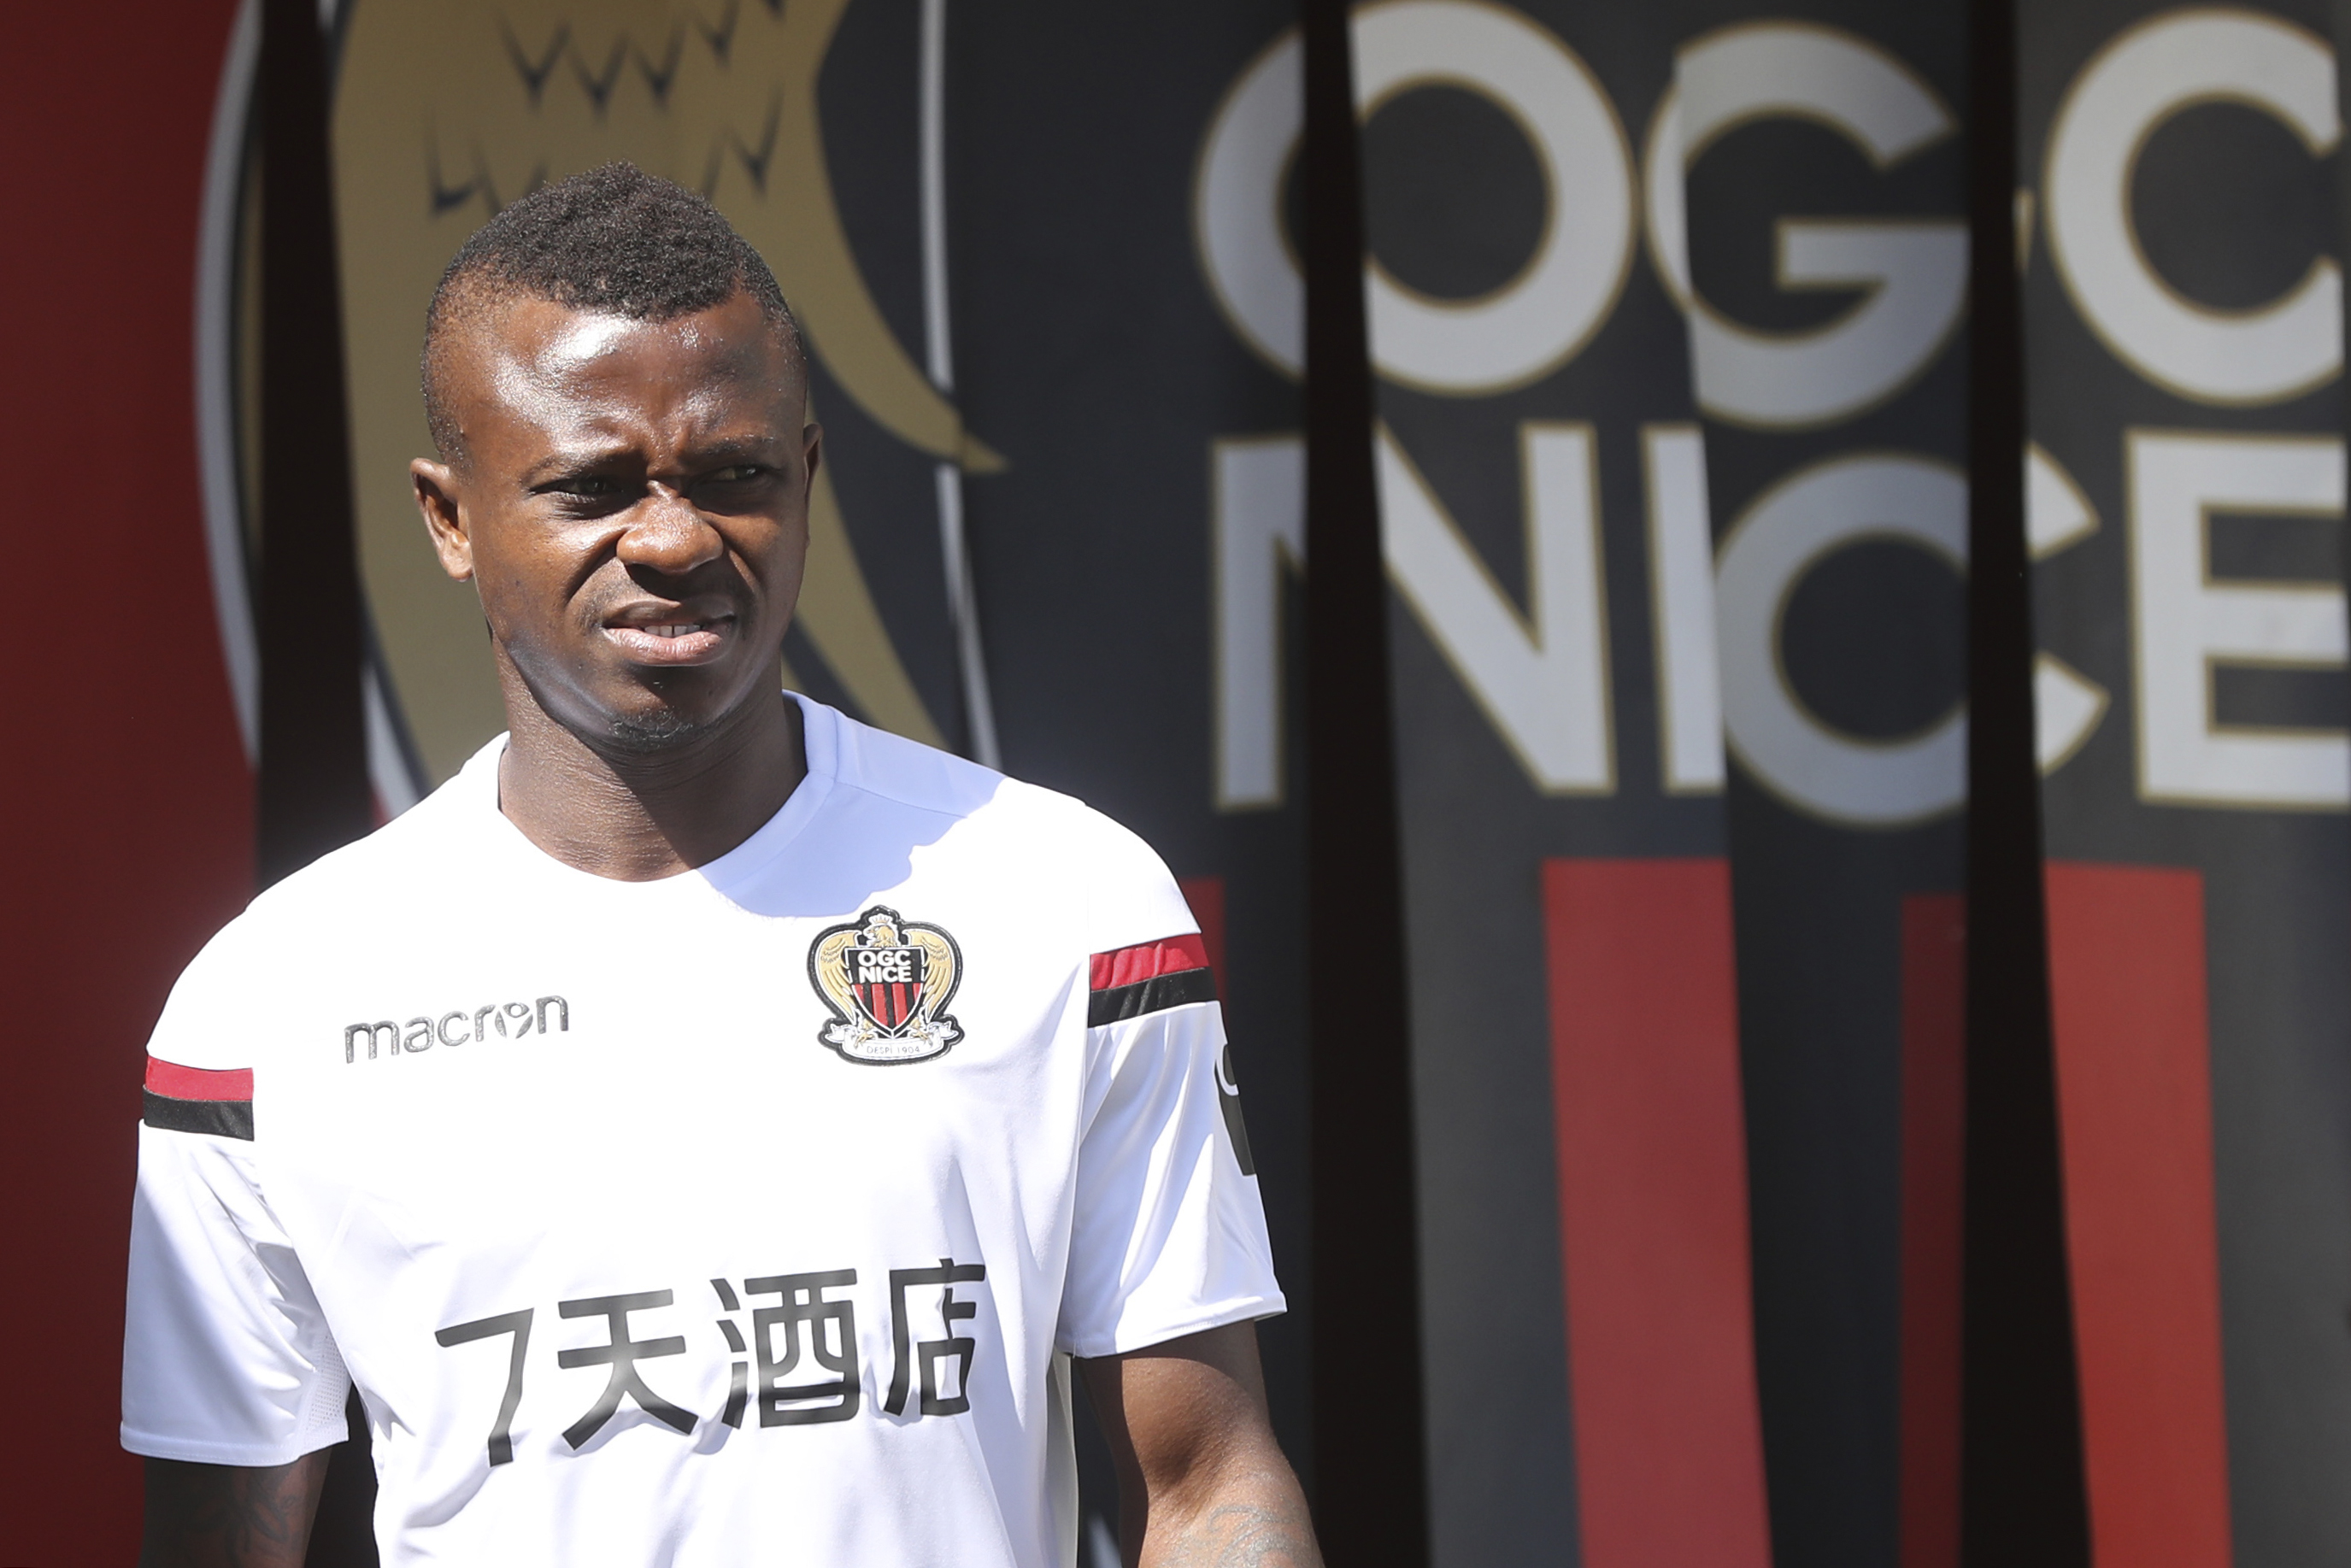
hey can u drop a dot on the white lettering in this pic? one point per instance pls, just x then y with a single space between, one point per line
1541 678
1912 273
885 967
1237 205
1525 329
2057 513
1789 528
1681 583
1259 523
2067 705
2183 624
1515 335
2138 81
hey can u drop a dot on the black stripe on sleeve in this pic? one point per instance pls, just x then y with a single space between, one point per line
222 1118
1150 996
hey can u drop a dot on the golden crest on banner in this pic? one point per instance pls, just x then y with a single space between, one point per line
445 111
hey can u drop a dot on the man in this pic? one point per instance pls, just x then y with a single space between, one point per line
705 1128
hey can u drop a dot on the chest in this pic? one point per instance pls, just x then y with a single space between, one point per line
763 1096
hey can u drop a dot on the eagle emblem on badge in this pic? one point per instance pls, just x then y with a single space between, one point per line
887 980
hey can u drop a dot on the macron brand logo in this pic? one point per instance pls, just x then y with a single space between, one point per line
510 1020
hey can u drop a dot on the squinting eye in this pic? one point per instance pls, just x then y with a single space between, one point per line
736 473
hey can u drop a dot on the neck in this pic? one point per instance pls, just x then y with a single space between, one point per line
636 816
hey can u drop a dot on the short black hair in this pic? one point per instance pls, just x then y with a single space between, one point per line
614 239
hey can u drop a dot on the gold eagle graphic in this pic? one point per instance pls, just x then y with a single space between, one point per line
445 110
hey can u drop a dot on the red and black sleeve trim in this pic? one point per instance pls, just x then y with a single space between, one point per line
1148 976
198 1100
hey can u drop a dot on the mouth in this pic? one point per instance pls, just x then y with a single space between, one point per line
674 639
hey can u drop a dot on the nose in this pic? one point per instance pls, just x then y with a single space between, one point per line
667 534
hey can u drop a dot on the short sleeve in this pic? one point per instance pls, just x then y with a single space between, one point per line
1169 1236
226 1358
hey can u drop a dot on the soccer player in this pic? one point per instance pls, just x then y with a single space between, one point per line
705 1129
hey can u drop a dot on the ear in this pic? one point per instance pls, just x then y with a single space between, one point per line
445 516
812 447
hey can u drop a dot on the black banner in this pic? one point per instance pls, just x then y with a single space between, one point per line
1824 213
1665 306
1135 559
2184 504
1583 1186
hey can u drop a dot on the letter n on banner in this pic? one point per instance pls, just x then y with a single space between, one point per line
1653 1213
2135 1107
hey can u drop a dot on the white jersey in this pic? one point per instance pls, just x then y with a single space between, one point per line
745 1217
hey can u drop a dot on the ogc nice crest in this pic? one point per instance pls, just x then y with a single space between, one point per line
888 981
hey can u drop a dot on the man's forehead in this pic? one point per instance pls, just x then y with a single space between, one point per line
552 367
549 341
578 340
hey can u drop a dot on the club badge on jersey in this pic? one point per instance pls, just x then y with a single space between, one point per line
887 981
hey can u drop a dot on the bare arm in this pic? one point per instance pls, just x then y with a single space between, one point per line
1201 1484
228 1516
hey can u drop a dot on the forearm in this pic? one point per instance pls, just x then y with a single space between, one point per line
230 1516
1201 1482
1251 1515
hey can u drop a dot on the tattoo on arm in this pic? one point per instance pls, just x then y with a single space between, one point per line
1201 1480
1245 1535
230 1516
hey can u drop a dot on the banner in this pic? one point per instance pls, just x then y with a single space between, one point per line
2184 494
1585 1286
1136 554
1819 176
129 791
1664 308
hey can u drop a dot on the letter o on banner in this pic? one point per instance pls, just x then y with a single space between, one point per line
1237 205
1515 335
1792 527
2141 79
1536 322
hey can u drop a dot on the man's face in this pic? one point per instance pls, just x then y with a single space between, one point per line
632 507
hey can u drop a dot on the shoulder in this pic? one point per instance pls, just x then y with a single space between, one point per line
402 861
308 925
983 803
895 769
1131 898
1128 893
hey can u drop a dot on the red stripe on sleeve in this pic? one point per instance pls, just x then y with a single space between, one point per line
1148 961
173 1082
